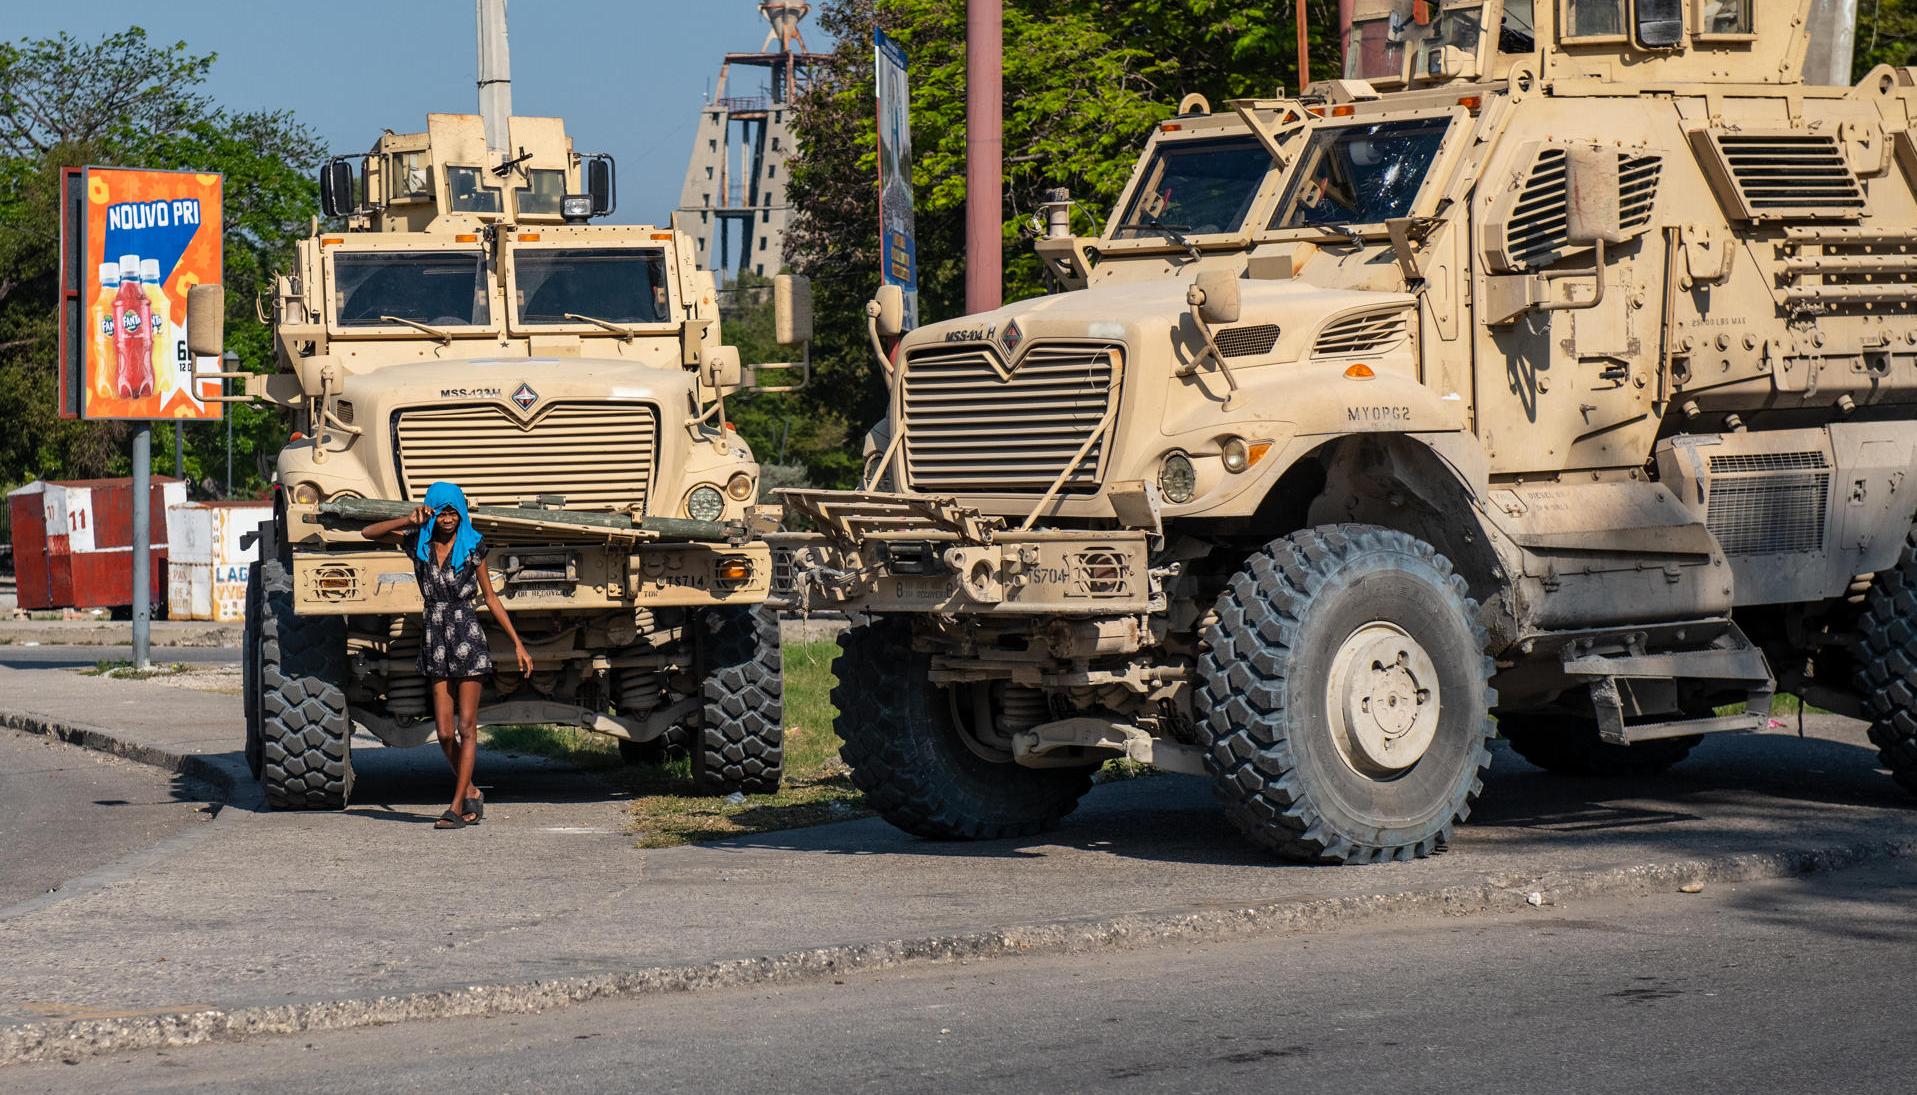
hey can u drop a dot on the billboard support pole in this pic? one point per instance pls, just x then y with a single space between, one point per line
984 154
142 542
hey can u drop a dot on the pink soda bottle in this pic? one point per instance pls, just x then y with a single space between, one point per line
132 333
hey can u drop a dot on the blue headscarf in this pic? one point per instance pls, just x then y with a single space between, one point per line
444 495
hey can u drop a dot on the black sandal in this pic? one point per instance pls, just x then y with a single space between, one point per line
450 820
476 806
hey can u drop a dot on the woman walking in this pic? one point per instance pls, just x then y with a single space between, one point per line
449 562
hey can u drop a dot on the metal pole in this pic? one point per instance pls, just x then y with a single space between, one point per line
984 154
231 361
1832 33
179 449
495 80
142 542
1304 48
1345 12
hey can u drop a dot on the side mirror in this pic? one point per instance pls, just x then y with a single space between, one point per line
1660 23
336 189
792 309
1215 295
1593 197
721 369
601 184
317 374
889 309
206 320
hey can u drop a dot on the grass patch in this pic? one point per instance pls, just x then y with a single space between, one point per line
579 748
122 670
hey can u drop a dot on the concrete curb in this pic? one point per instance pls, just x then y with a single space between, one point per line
199 636
70 1040
229 783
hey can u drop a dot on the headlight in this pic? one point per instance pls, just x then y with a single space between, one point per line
1177 479
306 494
705 504
1236 454
739 486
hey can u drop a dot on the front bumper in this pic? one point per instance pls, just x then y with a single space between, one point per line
560 578
1038 573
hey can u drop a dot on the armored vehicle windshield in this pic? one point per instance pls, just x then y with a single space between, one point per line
617 285
1361 174
382 288
1196 186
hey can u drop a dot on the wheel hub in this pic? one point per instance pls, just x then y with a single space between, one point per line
1382 696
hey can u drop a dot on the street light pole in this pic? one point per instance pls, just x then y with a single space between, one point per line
984 154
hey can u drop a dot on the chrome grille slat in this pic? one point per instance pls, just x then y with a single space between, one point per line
968 428
596 455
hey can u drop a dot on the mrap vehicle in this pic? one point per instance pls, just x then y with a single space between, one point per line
471 324
1552 373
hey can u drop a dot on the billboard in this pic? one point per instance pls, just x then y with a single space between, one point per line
899 261
132 242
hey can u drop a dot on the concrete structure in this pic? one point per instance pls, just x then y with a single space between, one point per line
733 201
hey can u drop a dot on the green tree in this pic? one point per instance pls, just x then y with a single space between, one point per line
1886 34
1085 82
126 101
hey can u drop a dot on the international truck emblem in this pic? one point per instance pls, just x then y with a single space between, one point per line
1011 337
524 397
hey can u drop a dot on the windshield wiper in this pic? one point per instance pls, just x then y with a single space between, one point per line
628 333
445 339
1172 232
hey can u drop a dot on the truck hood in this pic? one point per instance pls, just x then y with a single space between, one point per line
529 382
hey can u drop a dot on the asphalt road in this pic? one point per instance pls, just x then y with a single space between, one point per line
1796 985
14 656
65 811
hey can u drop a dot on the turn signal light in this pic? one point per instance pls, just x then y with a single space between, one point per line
1343 111
529 237
734 571
1360 371
1471 102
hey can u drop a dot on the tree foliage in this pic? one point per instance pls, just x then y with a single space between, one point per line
124 101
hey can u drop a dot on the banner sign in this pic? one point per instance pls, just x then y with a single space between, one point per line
899 252
132 242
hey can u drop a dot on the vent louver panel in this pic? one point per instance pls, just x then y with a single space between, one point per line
1248 341
1766 503
1781 176
595 455
970 429
1534 224
1375 333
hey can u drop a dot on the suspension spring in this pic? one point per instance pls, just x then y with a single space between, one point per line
405 688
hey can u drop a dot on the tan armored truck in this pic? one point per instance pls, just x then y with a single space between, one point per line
471 324
1557 363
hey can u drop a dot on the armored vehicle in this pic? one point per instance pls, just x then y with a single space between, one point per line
1556 363
471 324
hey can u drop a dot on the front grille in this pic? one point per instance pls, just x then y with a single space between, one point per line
970 429
594 455
1374 333
1254 341
1786 175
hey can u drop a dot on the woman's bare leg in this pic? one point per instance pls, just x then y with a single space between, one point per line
445 722
468 745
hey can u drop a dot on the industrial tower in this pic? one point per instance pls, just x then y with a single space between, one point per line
733 202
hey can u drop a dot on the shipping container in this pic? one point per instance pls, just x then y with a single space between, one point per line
206 566
73 542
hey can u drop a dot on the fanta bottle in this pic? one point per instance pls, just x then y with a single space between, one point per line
132 334
101 365
165 354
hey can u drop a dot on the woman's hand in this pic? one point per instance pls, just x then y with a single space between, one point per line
524 659
421 517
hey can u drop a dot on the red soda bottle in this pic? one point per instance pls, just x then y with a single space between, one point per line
132 333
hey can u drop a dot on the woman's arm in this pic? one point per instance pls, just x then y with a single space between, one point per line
499 613
394 531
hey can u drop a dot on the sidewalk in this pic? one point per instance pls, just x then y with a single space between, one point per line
284 922
116 633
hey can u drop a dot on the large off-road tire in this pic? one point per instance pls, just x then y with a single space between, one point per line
305 728
250 671
908 757
1344 697
1569 746
657 751
740 742
1887 651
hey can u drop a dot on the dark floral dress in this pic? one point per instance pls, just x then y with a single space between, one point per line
452 643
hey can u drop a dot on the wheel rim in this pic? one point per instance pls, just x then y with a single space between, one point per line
1382 695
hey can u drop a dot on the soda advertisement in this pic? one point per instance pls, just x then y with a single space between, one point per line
899 263
137 241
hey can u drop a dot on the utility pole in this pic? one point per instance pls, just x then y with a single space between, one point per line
142 544
984 154
495 81
1833 38
1304 48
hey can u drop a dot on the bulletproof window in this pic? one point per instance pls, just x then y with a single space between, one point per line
1375 50
439 288
468 195
1195 186
1361 174
614 284
1726 18
1518 32
1593 18
1660 23
542 194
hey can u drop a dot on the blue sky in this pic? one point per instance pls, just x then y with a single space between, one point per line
627 75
